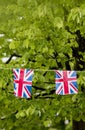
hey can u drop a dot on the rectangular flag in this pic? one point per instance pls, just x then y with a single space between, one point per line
23 82
66 82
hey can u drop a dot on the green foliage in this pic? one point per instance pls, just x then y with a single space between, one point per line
41 35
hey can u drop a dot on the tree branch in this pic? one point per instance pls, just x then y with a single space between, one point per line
45 95
36 87
10 58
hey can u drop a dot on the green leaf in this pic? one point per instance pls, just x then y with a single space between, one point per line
20 114
12 45
58 22
47 123
26 43
30 111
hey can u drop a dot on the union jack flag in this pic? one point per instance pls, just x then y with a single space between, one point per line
66 82
23 82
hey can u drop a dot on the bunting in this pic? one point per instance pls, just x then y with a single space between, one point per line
66 82
23 82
